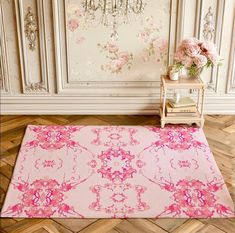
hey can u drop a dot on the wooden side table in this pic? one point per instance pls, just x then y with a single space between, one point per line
182 83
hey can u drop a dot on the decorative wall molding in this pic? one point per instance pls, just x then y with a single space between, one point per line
231 68
31 28
173 31
213 22
32 87
100 97
180 21
102 88
198 19
4 71
35 87
208 26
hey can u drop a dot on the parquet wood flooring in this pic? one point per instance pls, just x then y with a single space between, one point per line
220 133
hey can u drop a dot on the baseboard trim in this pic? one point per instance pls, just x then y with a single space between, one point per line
62 105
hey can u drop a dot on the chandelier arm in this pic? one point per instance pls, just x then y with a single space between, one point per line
105 6
126 8
112 11
85 5
92 5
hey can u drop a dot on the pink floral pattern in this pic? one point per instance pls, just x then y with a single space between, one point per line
45 164
155 46
75 17
116 172
196 51
42 198
118 59
177 138
120 203
115 136
194 198
73 24
194 54
75 21
116 164
184 163
53 137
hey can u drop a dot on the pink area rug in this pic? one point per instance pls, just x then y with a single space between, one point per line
116 171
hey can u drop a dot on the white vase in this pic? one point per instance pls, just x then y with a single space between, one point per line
174 76
183 72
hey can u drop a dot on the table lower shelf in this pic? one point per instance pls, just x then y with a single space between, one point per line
198 119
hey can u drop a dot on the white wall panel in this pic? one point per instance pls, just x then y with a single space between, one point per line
33 61
4 69
64 73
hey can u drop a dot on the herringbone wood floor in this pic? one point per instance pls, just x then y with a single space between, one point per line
220 132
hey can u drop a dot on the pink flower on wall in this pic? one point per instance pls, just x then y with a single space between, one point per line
155 46
80 40
116 164
73 24
75 21
53 137
118 60
118 200
161 48
43 198
74 17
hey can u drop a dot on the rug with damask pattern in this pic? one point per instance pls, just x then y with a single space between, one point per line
116 172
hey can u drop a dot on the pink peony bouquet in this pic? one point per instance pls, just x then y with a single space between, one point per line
194 55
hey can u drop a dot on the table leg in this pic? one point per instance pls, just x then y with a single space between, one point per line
160 95
163 108
202 107
202 123
203 97
164 103
198 98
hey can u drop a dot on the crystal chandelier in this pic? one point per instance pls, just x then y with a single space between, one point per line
112 13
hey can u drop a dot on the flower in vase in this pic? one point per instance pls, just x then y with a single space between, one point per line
200 61
195 54
187 62
214 58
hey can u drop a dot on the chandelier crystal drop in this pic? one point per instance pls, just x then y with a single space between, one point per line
112 13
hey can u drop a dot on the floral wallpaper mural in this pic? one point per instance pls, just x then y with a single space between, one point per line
155 46
118 60
139 53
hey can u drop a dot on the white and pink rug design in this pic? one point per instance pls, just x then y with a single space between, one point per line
116 171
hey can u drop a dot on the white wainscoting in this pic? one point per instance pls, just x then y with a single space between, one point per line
37 82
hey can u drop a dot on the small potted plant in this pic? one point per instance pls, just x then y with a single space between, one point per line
174 71
194 55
